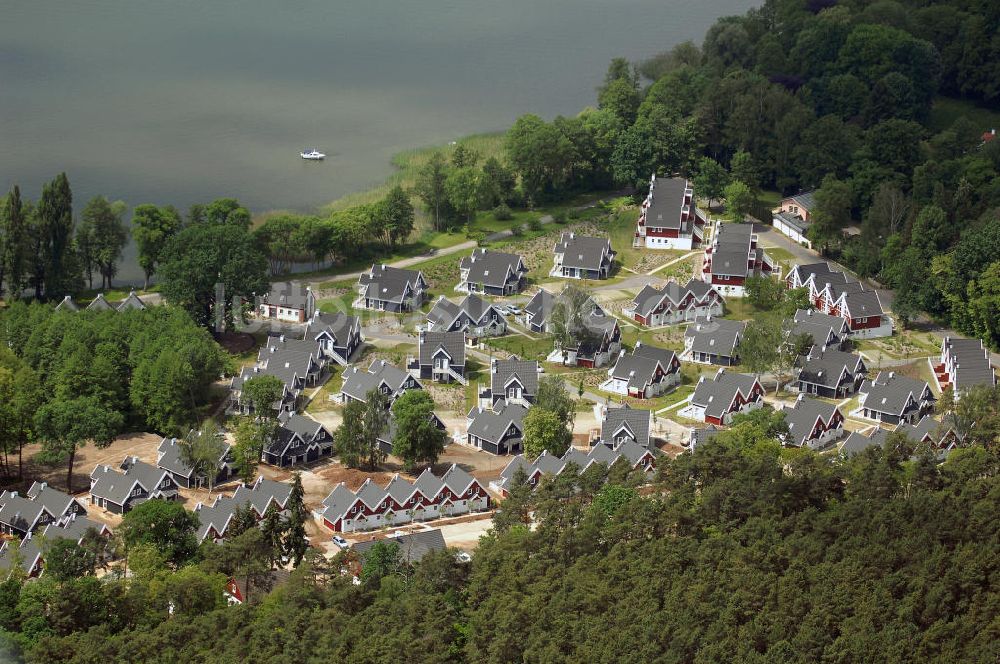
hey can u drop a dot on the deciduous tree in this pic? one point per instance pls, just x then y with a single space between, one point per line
418 439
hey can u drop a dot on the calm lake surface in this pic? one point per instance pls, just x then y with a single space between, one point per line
184 101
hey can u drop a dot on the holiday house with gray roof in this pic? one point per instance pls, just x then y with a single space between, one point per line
29 550
800 205
262 494
497 432
669 217
858 442
826 331
400 501
893 398
287 301
512 381
42 505
839 294
138 481
292 374
385 288
941 435
713 341
622 424
473 315
492 273
132 303
169 457
734 256
385 439
67 304
717 399
440 357
645 373
594 335
381 377
339 335
297 439
634 456
673 303
812 423
964 363
413 547
99 303
833 374
582 257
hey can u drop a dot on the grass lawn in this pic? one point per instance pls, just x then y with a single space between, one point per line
321 402
739 308
522 346
902 345
783 256
945 111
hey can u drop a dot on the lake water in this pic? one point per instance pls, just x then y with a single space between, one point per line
183 101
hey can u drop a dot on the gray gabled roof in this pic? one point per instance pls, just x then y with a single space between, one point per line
457 479
428 484
371 494
452 343
731 248
73 528
262 493
132 302
444 312
649 297
639 367
633 452
399 489
492 426
701 436
927 427
793 220
814 316
540 305
491 267
971 361
516 463
801 418
217 516
67 304
100 304
55 502
858 442
826 367
821 272
358 384
116 487
412 546
633 420
338 325
290 294
717 393
717 336
305 426
889 392
168 456
18 512
580 251
805 199
279 343
863 304
389 283
525 371
666 198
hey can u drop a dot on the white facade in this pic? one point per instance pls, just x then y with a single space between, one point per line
790 231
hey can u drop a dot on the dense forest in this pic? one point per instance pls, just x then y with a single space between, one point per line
72 377
738 552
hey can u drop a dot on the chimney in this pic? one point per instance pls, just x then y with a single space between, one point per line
42 485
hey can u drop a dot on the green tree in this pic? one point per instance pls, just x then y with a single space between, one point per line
398 213
743 169
262 392
464 157
273 528
832 212
620 90
612 498
431 189
570 319
165 525
21 394
65 559
202 450
463 190
541 154
152 228
103 223
760 344
14 244
544 431
498 183
212 271
418 438
553 397
764 293
295 542
246 557
250 436
739 199
382 560
56 270
356 439
66 425
711 179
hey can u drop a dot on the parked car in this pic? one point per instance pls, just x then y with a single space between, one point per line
463 557
340 542
514 310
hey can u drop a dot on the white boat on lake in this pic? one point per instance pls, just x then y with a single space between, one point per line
312 154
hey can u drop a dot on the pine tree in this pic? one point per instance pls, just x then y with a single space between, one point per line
295 541
273 530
